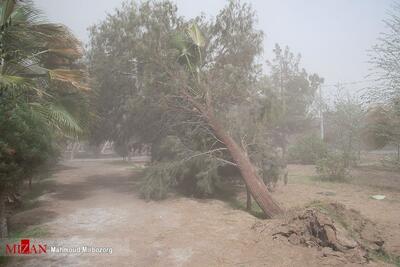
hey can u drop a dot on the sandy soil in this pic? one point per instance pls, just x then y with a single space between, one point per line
97 203
355 194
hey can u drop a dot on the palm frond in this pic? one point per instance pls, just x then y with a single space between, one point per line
57 118
71 77
36 54
72 53
6 9
7 81
195 35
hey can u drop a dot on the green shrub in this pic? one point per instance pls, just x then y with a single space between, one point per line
333 167
308 150
196 177
157 180
391 162
177 168
271 170
26 144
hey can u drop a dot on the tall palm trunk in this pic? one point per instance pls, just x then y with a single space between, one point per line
253 181
3 216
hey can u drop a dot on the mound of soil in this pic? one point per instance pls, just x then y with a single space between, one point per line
335 230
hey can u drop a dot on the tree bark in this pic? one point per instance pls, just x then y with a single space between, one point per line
248 201
3 216
253 181
398 152
74 147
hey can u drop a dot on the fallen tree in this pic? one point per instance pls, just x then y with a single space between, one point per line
173 80
254 184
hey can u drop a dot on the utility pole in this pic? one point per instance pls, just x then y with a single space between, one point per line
321 113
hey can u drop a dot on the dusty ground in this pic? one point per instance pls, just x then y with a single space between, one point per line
97 203
356 194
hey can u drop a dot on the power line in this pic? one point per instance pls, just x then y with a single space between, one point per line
349 83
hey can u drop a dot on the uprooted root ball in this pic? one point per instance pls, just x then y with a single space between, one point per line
334 230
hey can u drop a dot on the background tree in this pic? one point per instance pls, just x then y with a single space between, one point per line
382 128
295 91
345 123
385 94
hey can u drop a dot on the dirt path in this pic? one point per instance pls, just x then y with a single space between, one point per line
96 203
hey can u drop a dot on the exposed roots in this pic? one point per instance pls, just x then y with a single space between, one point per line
334 230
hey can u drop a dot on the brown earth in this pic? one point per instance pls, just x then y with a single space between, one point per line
332 228
96 203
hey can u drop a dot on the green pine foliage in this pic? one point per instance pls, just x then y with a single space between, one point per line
308 149
178 168
25 145
333 167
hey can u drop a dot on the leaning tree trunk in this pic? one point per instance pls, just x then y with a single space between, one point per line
253 181
248 199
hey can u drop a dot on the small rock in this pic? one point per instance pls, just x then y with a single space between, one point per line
356 255
330 235
294 239
344 240
379 197
327 251
327 193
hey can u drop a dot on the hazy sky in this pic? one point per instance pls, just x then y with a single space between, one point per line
333 36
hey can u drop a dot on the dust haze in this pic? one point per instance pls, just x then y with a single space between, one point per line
212 133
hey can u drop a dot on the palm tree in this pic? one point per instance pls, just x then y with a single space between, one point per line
35 58
38 70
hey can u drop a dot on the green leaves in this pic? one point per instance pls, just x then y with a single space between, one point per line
179 42
6 8
37 57
58 118
195 35
189 44
14 81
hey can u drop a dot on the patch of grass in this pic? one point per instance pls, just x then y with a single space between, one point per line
321 179
41 185
327 209
228 193
349 219
256 211
3 260
38 189
36 232
120 162
136 167
386 257
30 196
304 179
